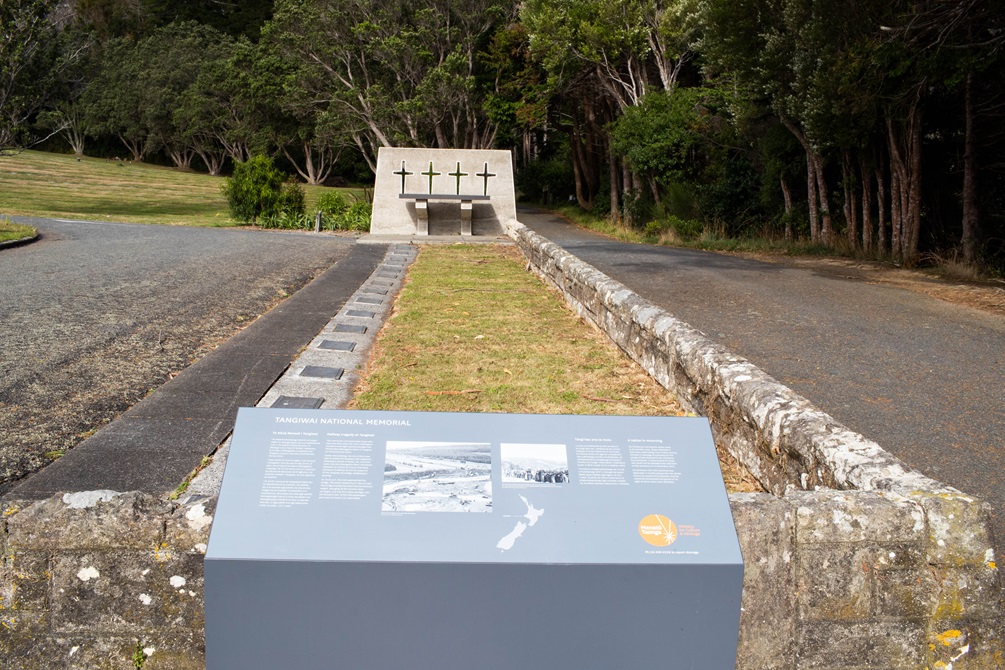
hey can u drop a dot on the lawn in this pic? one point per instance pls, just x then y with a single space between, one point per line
10 231
473 331
43 184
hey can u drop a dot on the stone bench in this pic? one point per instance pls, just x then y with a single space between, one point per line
422 208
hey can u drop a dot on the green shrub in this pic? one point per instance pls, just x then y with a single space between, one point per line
685 229
333 203
358 216
254 190
292 200
338 213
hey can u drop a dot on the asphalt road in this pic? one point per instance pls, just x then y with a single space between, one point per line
922 377
94 316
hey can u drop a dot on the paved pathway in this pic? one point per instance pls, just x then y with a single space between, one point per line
95 315
923 378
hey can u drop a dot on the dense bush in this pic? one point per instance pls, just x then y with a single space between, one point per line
333 204
338 213
684 229
254 190
293 200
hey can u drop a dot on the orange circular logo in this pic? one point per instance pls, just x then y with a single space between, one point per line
658 530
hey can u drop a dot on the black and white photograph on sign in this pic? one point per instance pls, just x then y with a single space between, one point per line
534 463
437 477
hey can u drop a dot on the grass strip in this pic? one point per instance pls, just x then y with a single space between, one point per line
473 331
36 183
10 231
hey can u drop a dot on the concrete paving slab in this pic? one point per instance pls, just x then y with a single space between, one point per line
134 471
193 404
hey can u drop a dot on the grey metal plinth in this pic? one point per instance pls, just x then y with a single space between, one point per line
375 540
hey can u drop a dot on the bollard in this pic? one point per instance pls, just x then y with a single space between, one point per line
317 222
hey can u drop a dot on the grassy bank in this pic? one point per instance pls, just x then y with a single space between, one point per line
707 239
55 185
473 331
10 231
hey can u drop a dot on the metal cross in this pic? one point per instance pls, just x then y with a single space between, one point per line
431 174
486 174
458 174
404 173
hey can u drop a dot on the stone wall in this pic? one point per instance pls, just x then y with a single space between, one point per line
836 580
103 580
854 560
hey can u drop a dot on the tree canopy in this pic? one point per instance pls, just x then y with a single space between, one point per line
874 126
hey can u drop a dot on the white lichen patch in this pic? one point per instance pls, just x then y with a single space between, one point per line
197 517
85 499
200 548
87 574
845 522
74 650
149 651
177 581
145 599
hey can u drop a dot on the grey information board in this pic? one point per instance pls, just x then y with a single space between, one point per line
358 540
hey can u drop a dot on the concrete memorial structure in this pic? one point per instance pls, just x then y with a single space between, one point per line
442 192
375 540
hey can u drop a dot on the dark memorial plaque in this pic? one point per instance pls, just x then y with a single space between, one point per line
375 540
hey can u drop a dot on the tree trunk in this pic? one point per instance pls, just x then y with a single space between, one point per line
971 215
790 233
577 175
441 137
896 213
182 158
866 206
135 148
583 196
213 160
811 196
786 194
629 194
881 242
850 199
615 181
368 156
811 177
655 189
913 218
826 224
905 173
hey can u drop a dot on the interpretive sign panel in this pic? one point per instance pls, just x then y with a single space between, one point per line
402 539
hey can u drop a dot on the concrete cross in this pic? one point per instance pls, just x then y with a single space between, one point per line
404 173
485 174
431 174
459 174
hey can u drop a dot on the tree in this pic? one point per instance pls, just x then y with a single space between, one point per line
33 54
601 56
113 101
399 75
173 59
153 94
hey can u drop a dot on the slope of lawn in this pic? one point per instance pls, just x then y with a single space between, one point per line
36 183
